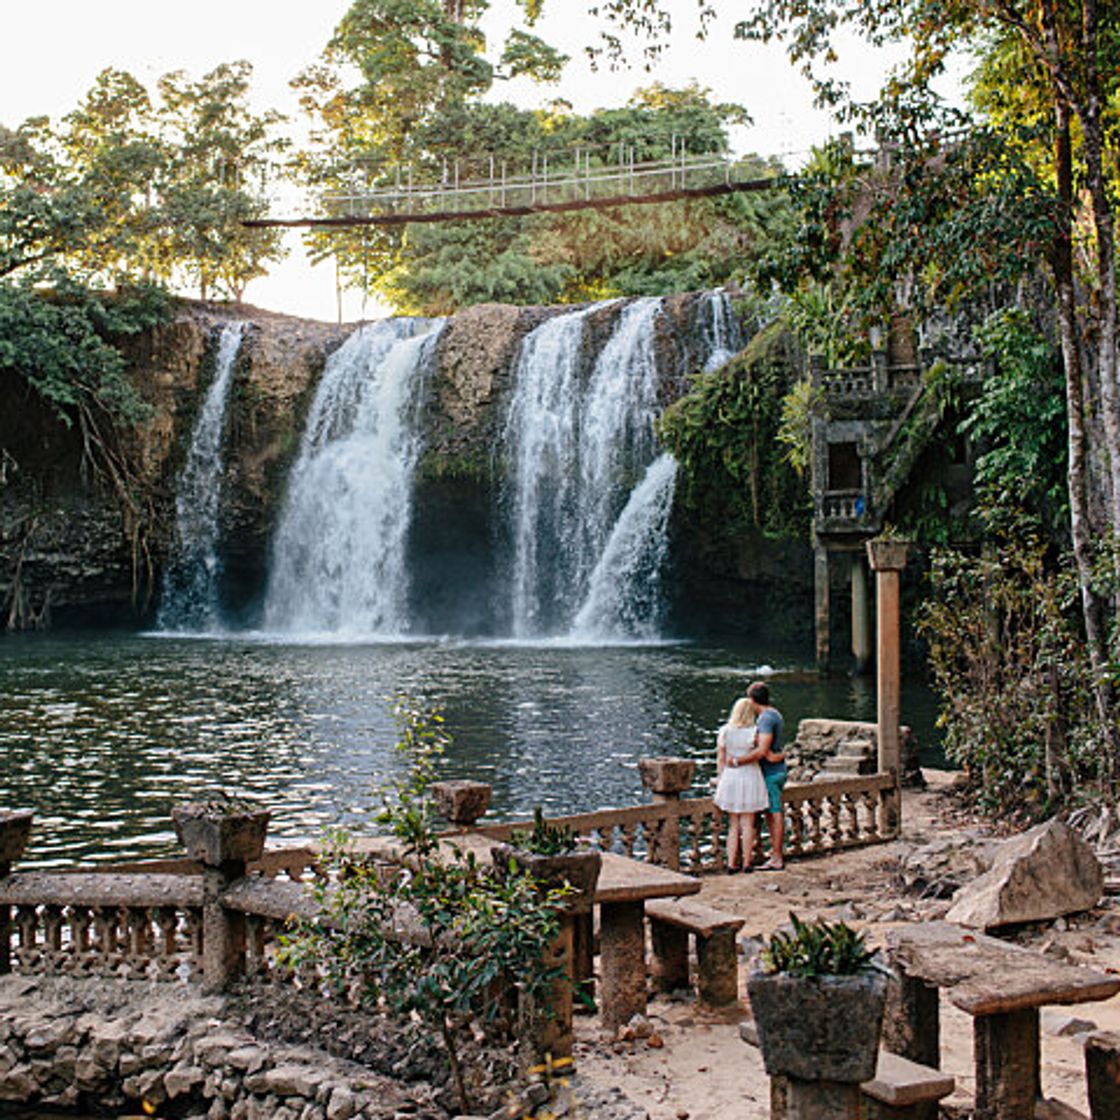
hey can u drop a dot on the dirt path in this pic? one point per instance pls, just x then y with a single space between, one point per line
703 1070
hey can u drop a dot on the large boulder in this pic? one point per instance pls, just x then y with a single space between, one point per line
1043 874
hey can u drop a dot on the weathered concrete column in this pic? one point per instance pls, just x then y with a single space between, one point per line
1102 1070
668 956
912 1020
717 968
1008 1064
461 802
888 558
861 616
821 616
667 778
547 1022
622 943
15 829
223 841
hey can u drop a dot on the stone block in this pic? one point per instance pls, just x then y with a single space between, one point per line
246 1058
183 1079
461 802
666 776
18 1084
1061 1024
341 1105
1038 876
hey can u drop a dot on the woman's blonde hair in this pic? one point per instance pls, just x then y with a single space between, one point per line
742 714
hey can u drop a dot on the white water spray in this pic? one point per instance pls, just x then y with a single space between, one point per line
338 564
189 601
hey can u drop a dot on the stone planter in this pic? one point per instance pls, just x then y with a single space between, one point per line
15 830
580 869
215 836
821 1029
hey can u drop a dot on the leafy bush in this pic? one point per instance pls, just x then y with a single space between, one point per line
544 839
1007 656
817 948
436 939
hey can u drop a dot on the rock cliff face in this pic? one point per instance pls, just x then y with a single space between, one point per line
70 554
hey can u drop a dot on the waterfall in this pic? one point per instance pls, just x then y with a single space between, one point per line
575 450
624 595
721 335
338 563
190 590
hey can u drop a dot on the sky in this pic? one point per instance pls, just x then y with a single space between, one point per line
57 48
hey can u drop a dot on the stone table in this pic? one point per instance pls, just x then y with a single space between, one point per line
1002 987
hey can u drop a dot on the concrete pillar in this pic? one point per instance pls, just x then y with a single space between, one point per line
821 1100
622 960
821 607
223 841
1008 1065
547 1022
912 1020
668 956
717 968
666 778
888 558
1102 1071
861 616
15 829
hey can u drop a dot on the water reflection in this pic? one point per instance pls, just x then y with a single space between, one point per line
101 735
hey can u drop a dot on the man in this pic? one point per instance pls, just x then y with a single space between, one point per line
772 759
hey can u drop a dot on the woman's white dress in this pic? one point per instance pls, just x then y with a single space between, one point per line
741 789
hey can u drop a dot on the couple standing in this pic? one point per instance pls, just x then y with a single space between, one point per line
752 772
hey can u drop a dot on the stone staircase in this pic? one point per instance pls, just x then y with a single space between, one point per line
853 758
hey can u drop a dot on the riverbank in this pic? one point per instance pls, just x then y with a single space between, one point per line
695 1066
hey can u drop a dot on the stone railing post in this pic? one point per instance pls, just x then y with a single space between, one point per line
888 559
461 802
223 840
666 779
15 828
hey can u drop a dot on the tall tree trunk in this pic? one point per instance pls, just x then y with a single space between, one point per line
1089 112
1077 480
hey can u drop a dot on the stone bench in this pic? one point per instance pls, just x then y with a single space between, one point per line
904 1090
900 1089
717 963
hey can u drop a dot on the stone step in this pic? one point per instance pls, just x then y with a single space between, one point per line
855 748
839 765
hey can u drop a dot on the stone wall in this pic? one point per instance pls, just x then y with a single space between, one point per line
126 1045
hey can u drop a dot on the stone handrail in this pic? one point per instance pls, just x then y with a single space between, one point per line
686 834
178 920
102 924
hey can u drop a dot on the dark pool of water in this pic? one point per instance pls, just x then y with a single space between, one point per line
101 734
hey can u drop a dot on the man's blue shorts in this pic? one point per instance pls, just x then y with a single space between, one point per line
775 783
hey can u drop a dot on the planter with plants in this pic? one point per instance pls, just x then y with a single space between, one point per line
222 830
817 993
551 854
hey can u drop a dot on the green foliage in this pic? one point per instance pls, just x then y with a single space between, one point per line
544 839
61 345
803 404
438 940
1007 656
817 948
724 432
1019 422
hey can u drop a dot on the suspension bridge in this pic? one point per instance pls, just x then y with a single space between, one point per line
552 184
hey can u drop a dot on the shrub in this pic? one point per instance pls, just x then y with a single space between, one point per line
817 948
438 940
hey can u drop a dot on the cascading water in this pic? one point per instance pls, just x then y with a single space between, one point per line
722 337
575 450
189 602
624 595
338 563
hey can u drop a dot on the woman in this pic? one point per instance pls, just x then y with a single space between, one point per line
741 790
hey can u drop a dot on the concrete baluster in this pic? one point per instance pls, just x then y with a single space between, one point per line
15 828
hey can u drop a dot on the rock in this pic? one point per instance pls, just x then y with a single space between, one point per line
341 1105
940 868
182 1079
1045 873
1061 1024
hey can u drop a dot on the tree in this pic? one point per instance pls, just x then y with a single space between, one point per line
220 155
